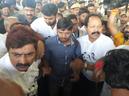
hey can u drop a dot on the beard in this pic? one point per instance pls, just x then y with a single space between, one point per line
64 40
52 23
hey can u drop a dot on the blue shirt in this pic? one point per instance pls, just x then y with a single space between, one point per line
59 56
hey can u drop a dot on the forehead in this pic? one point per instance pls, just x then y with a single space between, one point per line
123 15
76 8
64 31
5 8
94 20
83 14
91 7
23 50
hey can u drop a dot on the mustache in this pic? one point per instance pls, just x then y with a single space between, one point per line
97 32
29 15
22 65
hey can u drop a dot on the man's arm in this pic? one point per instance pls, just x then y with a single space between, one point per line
117 36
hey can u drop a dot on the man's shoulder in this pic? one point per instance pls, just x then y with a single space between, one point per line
105 38
5 64
22 18
5 74
40 19
51 40
105 42
4 59
4 71
82 38
39 24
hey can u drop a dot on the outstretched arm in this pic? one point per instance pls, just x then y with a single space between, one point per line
118 36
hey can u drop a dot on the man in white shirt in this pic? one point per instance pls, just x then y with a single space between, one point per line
20 64
93 47
7 23
46 25
3 49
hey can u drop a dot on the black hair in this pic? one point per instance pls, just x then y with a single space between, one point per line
50 9
20 36
61 5
29 3
83 10
116 68
64 23
72 16
90 5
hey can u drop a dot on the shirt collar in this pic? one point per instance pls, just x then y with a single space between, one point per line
70 43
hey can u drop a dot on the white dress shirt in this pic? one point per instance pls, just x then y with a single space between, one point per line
27 80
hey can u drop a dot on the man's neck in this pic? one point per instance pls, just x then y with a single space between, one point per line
69 42
94 39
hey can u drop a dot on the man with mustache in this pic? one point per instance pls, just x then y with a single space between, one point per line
28 14
20 64
93 47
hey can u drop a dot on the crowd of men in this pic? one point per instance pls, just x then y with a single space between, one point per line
59 49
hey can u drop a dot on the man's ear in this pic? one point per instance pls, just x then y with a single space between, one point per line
40 49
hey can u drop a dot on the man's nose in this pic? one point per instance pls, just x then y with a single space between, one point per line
23 60
47 21
96 28
63 35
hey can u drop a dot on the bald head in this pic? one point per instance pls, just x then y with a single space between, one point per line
9 21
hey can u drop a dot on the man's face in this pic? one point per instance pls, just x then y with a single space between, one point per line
64 35
62 9
75 11
29 12
75 25
22 58
92 9
38 7
50 20
94 28
82 17
5 11
123 19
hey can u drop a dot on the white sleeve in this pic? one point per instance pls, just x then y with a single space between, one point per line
34 26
